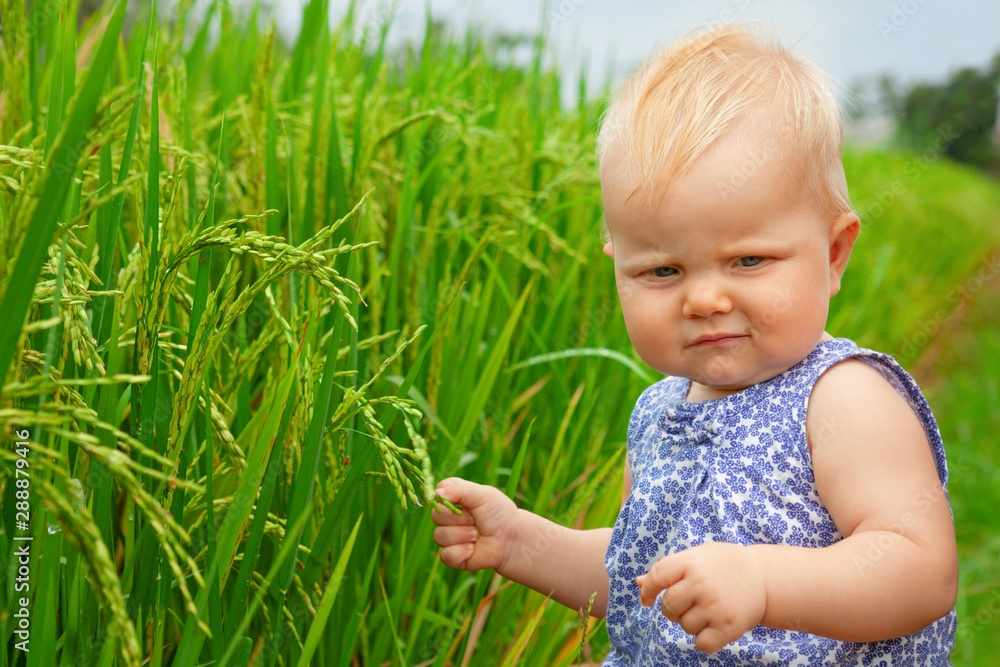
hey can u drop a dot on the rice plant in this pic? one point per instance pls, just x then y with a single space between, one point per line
257 298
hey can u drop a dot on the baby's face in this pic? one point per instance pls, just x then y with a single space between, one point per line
727 286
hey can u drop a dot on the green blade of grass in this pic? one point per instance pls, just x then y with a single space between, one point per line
350 634
335 175
53 119
515 472
62 165
514 656
239 510
392 626
218 642
111 231
555 457
269 578
46 600
100 484
305 481
372 69
249 485
314 19
194 59
361 463
204 258
423 611
256 534
307 223
272 177
144 399
318 625
487 378
601 352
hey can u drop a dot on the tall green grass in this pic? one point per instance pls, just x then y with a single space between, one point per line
232 439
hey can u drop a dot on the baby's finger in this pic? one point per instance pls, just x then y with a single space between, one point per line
711 640
677 601
446 536
445 517
458 555
693 621
463 492
664 573
648 590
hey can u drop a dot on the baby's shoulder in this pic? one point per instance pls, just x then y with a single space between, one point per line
859 389
853 373
839 370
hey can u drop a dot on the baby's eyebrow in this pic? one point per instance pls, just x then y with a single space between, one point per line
755 247
649 259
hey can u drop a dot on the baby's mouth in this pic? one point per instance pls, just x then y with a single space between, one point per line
716 340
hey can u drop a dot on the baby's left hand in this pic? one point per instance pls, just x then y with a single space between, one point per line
715 591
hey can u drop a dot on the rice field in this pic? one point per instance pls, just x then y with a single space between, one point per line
257 298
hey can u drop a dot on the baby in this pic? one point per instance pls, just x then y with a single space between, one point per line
784 491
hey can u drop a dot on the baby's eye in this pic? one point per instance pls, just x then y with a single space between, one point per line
663 271
750 261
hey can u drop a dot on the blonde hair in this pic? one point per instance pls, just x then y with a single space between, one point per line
727 79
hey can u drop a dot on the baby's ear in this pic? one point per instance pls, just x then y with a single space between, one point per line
609 250
843 233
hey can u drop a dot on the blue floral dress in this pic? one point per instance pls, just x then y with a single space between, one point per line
737 469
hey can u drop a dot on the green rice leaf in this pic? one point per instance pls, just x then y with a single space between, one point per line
601 352
514 656
318 626
53 189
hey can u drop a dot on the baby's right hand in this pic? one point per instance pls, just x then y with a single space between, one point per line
484 534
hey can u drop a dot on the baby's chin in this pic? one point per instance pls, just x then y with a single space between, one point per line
726 383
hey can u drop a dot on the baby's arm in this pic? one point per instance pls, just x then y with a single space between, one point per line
531 550
895 571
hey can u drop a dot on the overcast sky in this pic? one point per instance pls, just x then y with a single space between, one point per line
911 39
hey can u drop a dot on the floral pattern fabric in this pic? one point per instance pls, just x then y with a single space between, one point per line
737 469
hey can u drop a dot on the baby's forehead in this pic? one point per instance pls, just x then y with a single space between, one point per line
751 157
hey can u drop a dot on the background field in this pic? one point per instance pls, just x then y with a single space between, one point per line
479 222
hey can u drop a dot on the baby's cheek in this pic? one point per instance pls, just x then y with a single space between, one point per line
626 290
778 306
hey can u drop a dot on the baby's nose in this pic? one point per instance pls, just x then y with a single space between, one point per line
705 298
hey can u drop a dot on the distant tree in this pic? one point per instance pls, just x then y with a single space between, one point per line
957 118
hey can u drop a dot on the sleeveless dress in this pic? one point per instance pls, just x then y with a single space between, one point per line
737 469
